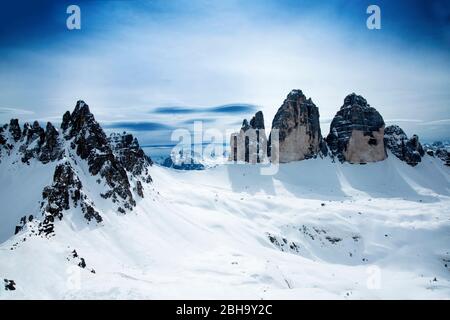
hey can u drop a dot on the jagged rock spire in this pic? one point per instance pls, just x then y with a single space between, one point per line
298 126
119 164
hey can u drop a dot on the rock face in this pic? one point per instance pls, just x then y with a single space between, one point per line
439 150
118 163
408 150
130 155
31 142
14 129
65 192
88 139
357 132
250 143
444 155
297 122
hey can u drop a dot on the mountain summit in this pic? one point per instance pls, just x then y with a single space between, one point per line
78 154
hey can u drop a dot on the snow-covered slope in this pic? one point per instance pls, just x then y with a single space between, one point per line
316 229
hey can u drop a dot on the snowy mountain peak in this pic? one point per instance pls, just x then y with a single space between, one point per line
83 167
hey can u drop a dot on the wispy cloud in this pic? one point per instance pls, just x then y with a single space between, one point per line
223 109
203 120
174 110
137 126
15 111
234 109
402 120
438 122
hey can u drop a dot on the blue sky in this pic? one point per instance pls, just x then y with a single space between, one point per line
151 66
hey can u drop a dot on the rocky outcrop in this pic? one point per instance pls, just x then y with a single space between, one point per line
10 285
130 155
66 192
298 127
14 129
444 155
250 143
357 132
440 150
51 148
23 222
408 150
33 142
40 144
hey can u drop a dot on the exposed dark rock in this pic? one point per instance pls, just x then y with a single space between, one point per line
444 155
91 144
257 122
283 244
33 132
250 143
130 155
118 162
22 223
356 132
408 150
333 240
299 134
2 136
440 150
32 142
82 263
14 129
9 284
51 149
139 189
66 189
33 137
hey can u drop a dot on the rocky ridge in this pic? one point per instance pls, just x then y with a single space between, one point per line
117 163
440 150
408 150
